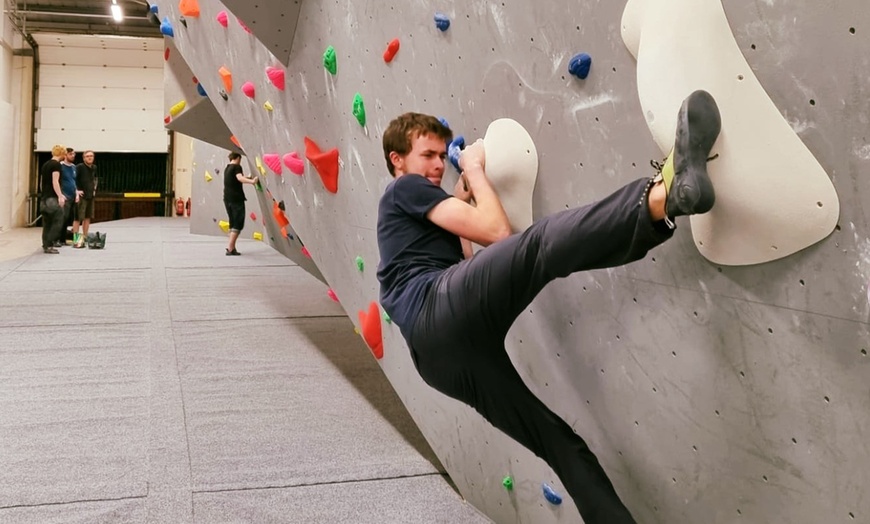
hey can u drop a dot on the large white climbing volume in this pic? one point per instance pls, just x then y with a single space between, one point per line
773 198
512 168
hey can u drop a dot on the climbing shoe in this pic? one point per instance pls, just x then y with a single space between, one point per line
684 173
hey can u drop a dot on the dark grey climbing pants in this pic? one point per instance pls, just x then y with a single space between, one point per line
457 342
52 221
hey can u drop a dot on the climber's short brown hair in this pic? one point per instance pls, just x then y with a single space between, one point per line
405 128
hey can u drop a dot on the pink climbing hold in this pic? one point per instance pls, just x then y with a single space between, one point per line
273 161
392 49
276 76
245 27
248 89
294 163
306 252
332 295
222 18
253 216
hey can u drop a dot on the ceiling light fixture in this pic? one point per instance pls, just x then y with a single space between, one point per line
117 14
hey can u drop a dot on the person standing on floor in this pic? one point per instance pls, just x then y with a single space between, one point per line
52 200
86 183
70 193
234 198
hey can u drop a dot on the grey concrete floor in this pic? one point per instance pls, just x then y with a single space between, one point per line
159 380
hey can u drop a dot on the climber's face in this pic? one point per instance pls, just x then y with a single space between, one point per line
426 158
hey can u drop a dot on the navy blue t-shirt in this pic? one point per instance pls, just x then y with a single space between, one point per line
414 251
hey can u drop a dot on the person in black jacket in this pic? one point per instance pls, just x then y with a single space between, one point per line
52 200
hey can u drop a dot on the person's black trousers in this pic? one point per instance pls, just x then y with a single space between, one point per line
52 221
457 342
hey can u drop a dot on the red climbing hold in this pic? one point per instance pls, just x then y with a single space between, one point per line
326 164
392 49
276 76
166 54
222 18
248 89
332 294
235 141
279 215
274 162
189 8
294 163
167 119
306 252
370 325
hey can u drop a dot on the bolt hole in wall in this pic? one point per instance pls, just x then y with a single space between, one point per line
120 174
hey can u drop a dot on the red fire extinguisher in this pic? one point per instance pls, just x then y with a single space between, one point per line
179 208
187 206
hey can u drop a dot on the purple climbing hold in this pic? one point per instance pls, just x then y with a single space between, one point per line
579 65
442 22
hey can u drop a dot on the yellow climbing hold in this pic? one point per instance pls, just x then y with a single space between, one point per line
208 178
258 235
260 167
268 106
177 108
224 225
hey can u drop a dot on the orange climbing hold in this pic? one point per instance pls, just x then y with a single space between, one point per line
279 215
284 232
326 164
189 8
370 325
227 77
235 141
392 49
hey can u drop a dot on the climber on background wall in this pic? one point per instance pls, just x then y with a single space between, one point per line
234 198
455 310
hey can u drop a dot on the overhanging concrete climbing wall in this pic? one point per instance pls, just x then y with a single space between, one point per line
710 393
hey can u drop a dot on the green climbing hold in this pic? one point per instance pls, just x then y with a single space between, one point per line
360 263
359 109
329 61
387 318
508 483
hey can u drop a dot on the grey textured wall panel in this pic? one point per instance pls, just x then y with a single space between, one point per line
710 394
208 198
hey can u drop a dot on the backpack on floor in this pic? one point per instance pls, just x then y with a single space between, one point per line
96 240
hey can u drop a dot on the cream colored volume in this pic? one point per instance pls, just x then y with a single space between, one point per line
512 168
772 196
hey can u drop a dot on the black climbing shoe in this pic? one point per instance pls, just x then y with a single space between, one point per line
687 184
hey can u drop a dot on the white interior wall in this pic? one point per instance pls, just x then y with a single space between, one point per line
182 165
100 92
15 96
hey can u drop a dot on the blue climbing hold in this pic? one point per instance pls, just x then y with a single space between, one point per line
443 122
579 65
442 22
166 27
454 150
153 8
551 496
201 90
